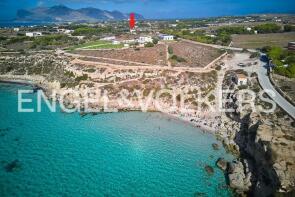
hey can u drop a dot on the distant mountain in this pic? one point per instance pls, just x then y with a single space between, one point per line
61 13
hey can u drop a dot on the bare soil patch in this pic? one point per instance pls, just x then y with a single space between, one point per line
194 55
154 55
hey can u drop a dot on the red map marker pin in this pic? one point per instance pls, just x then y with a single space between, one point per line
132 21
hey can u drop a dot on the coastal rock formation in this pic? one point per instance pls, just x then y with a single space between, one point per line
264 145
215 146
209 169
268 151
222 164
238 179
13 166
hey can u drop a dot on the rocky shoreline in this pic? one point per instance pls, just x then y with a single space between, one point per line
243 174
263 145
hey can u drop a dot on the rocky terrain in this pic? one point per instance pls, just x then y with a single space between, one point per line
265 144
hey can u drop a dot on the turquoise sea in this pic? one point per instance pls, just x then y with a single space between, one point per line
119 154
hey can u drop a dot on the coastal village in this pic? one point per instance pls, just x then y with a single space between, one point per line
200 59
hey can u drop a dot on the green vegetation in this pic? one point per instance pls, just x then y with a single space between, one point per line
177 59
233 30
52 40
69 74
289 28
170 50
283 60
90 70
90 31
218 68
255 55
81 78
2 38
17 39
223 34
155 40
197 36
268 28
98 44
149 44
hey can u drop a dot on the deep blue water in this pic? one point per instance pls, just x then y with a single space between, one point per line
120 154
16 24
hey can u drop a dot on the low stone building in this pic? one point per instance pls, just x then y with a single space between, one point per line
241 79
291 46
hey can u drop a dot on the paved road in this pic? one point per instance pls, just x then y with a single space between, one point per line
266 85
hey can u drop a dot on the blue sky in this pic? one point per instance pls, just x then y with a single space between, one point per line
161 8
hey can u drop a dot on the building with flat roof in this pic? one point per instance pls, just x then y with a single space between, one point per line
166 37
291 46
145 39
242 79
33 34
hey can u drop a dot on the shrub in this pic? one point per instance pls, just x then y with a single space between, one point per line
178 59
211 98
82 78
288 28
268 28
254 55
218 68
150 44
155 40
69 74
170 50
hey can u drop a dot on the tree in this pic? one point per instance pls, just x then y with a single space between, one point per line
149 44
170 50
155 41
268 28
275 53
289 28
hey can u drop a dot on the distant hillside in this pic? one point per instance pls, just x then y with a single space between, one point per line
62 13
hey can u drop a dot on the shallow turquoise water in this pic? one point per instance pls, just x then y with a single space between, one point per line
121 154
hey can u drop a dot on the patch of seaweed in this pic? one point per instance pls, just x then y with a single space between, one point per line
13 166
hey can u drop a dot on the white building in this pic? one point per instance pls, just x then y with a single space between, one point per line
78 37
33 34
248 28
68 31
210 35
144 39
167 37
115 42
129 41
110 38
242 79
16 29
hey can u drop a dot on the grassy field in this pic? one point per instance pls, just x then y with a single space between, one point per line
261 40
99 44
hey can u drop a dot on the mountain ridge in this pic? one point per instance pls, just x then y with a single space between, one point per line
62 13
